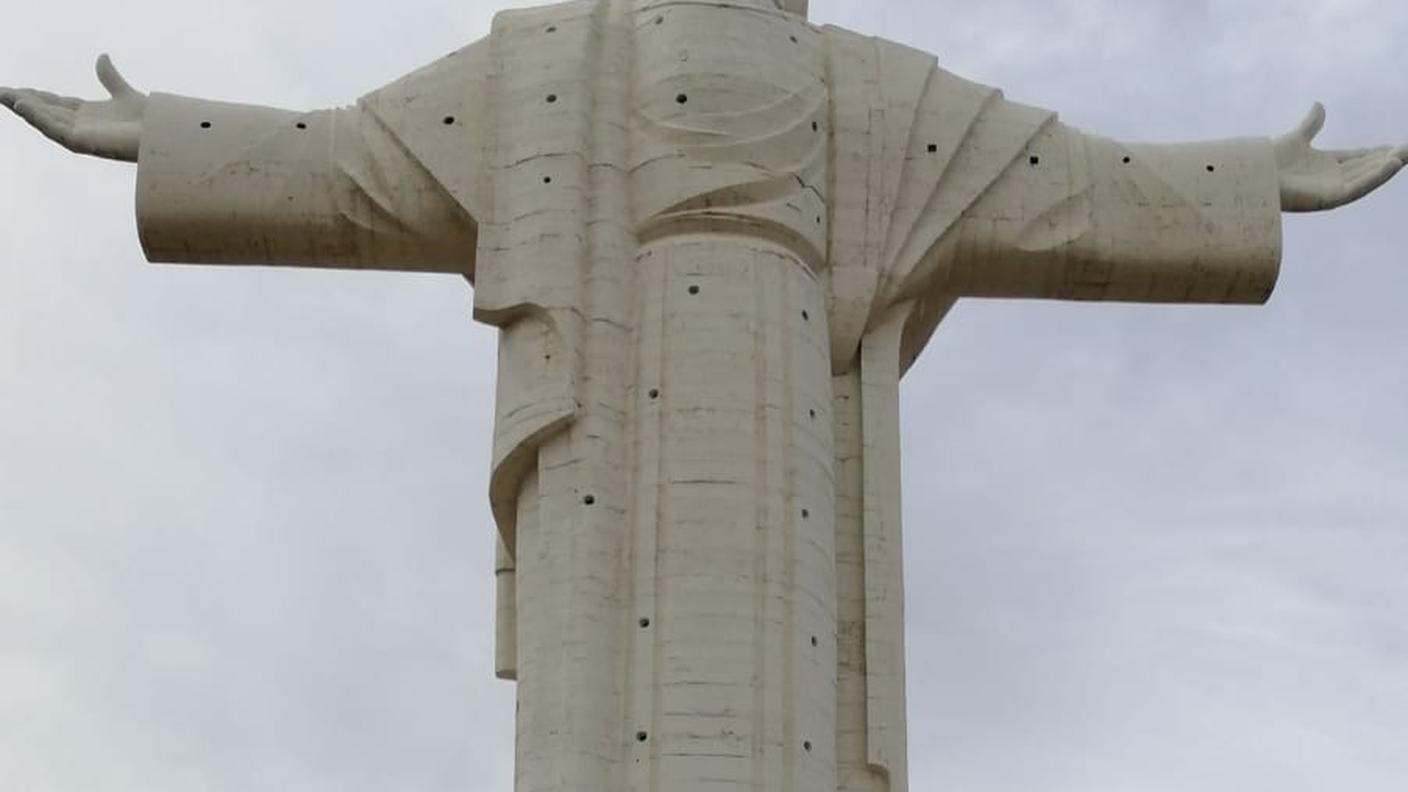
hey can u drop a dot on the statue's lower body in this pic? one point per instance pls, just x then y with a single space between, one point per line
677 609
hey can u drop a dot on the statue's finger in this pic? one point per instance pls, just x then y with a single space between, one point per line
1374 180
1313 123
8 97
1370 167
42 120
57 120
112 79
25 110
67 102
1358 168
1349 157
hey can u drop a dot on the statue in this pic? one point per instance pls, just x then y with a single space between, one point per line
713 238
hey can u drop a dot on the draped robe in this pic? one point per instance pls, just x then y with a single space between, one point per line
713 237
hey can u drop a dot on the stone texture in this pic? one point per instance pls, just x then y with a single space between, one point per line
713 238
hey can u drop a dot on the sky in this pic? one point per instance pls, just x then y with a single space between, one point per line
244 534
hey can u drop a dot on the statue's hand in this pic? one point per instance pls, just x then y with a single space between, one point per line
1314 180
111 129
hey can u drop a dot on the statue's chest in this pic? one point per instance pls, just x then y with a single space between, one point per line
730 122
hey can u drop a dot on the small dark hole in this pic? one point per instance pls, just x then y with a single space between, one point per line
682 98
552 29
642 736
547 180
1036 160
806 513
644 623
449 120
301 125
815 642
812 413
933 148
816 127
659 20
552 98
818 219
205 125
807 746
589 500
1127 160
806 317
654 393
693 289
1212 169
794 39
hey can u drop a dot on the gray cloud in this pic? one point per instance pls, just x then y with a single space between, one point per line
244 542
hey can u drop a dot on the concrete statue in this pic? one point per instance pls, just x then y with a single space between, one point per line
713 238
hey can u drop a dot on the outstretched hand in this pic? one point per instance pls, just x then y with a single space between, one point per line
1314 180
111 129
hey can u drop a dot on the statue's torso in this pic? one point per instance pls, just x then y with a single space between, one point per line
730 125
654 196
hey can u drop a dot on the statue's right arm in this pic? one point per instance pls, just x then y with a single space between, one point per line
222 183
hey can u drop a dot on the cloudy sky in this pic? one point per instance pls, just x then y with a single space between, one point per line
244 540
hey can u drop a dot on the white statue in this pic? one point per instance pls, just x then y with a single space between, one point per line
713 237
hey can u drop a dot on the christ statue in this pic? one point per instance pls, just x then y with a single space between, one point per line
713 237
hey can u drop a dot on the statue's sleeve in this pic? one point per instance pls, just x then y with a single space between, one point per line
1078 217
387 183
945 189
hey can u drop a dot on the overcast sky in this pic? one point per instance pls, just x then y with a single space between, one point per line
244 538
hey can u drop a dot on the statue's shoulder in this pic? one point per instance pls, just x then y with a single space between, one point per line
540 30
843 37
536 20
894 62
439 114
460 71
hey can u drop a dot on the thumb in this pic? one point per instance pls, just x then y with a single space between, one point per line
1313 123
113 80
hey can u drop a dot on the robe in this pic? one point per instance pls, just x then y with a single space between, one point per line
713 237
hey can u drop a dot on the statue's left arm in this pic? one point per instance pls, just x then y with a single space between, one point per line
1083 217
944 189
221 183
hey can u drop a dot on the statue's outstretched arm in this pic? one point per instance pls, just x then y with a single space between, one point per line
221 183
1080 217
